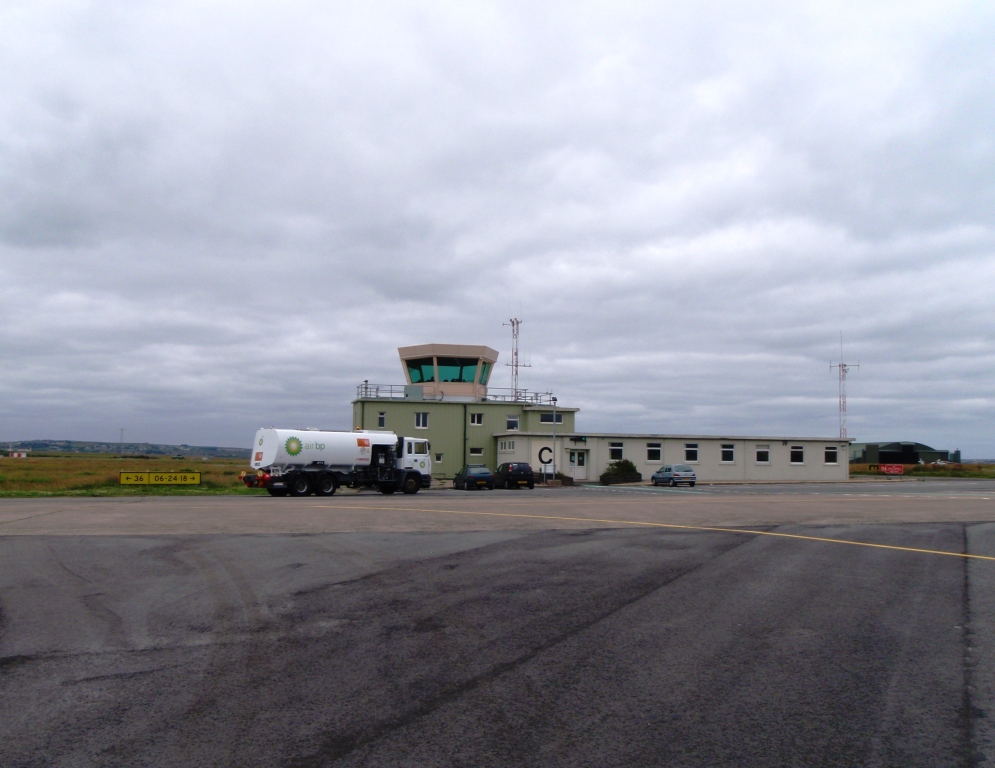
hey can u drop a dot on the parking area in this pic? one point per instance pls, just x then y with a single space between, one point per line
560 627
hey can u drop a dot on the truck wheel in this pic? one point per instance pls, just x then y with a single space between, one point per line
411 484
387 489
277 491
326 485
300 485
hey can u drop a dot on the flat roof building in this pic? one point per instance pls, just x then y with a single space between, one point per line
446 398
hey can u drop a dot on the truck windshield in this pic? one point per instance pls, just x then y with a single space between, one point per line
421 447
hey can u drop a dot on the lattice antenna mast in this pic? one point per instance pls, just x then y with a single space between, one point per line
515 324
844 369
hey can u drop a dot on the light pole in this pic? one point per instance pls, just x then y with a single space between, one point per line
554 438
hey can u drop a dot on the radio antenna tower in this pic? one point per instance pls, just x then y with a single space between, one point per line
844 369
515 324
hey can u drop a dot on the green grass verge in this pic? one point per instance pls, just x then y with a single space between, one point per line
140 490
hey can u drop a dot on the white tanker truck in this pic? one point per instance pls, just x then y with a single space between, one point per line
302 462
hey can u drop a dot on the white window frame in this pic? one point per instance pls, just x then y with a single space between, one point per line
835 450
382 419
476 451
517 420
476 419
756 453
421 419
691 447
438 458
791 450
658 447
723 447
620 447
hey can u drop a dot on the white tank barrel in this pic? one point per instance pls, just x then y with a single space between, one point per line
288 447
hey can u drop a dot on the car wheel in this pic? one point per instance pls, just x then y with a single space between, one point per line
300 485
691 485
490 486
673 483
532 484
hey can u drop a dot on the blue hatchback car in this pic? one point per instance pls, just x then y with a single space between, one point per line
673 475
474 476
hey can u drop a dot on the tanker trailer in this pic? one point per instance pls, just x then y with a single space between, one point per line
302 462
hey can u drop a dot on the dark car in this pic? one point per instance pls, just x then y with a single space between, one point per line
474 476
515 474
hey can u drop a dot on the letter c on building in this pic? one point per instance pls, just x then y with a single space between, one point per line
546 449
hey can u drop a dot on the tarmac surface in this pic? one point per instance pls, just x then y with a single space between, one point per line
837 625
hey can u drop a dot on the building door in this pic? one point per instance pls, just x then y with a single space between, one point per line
578 465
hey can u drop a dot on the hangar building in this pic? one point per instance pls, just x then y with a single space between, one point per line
899 453
447 399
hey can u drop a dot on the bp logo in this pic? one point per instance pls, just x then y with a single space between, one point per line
293 446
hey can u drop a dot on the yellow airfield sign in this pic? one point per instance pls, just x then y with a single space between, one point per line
160 478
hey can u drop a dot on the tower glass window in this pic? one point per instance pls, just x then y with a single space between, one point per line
461 369
421 370
485 372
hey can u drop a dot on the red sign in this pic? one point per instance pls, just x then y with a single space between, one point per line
892 469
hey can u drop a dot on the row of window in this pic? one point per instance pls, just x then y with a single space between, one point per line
727 453
476 420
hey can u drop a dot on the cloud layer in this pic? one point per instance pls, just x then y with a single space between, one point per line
217 216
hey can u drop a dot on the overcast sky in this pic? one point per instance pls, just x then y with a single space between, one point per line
216 216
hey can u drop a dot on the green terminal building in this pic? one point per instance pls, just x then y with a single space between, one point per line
446 399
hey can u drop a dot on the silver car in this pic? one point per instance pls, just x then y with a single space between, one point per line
673 475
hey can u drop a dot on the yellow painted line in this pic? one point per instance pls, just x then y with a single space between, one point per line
672 526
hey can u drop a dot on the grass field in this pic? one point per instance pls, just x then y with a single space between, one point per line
97 475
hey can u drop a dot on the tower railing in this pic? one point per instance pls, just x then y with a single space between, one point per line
369 391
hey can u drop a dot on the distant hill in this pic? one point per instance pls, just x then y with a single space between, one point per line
149 449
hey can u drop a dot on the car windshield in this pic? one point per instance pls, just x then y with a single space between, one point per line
478 471
682 468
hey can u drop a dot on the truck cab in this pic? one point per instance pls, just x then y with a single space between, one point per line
414 455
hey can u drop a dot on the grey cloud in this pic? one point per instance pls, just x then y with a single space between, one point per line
216 217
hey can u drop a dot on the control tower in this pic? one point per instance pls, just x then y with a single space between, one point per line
453 371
